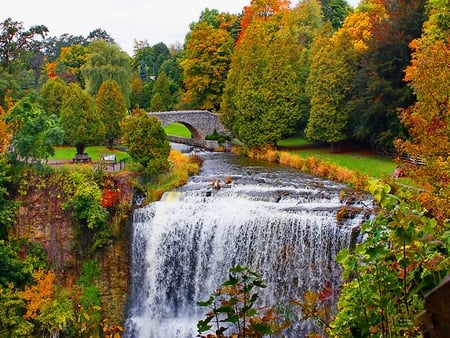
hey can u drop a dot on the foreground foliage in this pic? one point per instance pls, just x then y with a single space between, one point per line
233 311
403 256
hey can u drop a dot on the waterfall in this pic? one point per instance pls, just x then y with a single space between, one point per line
184 245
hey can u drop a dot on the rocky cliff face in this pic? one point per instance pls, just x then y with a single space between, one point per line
45 218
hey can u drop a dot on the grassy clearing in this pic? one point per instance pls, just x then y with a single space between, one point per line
177 129
366 163
293 142
95 152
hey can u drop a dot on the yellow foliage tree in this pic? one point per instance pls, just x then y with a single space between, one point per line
39 295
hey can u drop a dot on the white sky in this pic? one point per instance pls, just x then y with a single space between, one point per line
124 20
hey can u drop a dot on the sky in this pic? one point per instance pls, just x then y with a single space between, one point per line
125 21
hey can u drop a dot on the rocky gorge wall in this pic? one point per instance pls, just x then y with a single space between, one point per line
44 217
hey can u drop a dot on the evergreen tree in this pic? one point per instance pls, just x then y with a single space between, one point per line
51 95
264 98
161 99
111 107
328 90
80 121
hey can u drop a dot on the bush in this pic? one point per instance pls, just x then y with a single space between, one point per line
220 138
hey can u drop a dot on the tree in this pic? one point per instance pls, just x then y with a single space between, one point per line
70 62
79 119
261 10
335 11
329 91
100 34
147 142
112 109
53 45
264 91
136 92
12 323
428 120
51 95
379 89
33 132
15 42
107 62
38 295
205 66
148 59
161 99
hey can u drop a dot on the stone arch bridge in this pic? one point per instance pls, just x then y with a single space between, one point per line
199 122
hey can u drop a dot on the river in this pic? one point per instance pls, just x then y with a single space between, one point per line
279 222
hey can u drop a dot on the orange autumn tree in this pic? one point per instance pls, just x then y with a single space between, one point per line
428 119
4 135
261 10
39 295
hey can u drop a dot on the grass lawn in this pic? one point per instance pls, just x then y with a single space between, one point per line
293 142
177 129
68 153
367 163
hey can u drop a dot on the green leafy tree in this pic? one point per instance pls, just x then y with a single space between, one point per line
264 96
335 11
107 62
51 95
16 44
147 142
80 121
146 96
161 99
329 90
148 59
12 323
172 68
33 132
112 109
8 208
57 315
89 314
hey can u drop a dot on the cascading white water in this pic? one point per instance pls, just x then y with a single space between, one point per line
184 245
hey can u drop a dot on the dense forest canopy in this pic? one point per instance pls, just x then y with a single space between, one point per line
377 75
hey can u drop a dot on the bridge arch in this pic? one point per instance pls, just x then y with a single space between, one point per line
199 122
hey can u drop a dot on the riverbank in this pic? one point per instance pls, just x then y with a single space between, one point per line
312 164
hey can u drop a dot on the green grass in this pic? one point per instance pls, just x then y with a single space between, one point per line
68 153
366 163
177 129
371 165
293 142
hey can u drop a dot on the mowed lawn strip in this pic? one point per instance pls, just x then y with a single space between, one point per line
95 152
